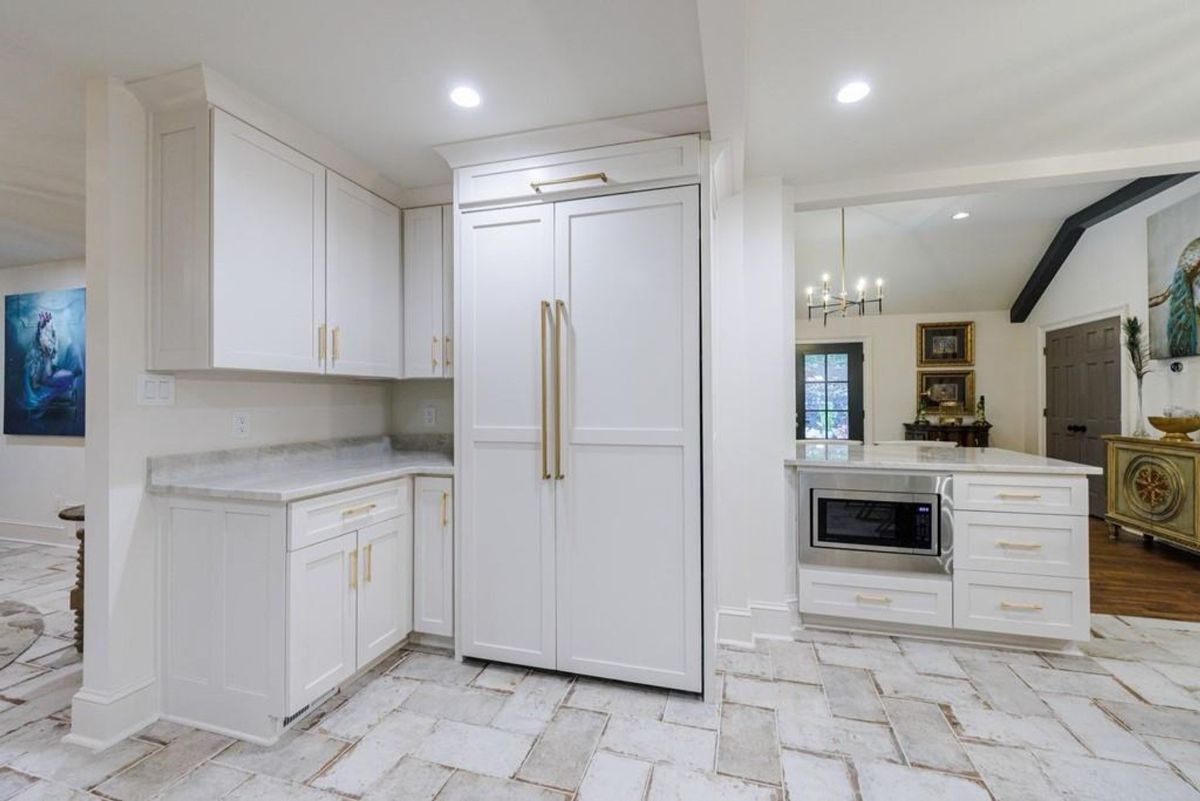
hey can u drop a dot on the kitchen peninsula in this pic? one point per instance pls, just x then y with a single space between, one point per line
985 542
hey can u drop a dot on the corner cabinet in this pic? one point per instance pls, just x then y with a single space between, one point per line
269 607
433 556
428 293
262 259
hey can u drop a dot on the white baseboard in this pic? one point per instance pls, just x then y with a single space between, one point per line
101 719
759 620
39 533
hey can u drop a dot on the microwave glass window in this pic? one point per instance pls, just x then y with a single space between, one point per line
874 524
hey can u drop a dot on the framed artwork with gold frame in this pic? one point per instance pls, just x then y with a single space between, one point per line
946 392
946 344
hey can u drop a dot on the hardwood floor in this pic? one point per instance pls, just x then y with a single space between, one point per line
1132 578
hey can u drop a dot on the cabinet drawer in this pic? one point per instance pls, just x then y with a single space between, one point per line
1015 493
1010 603
1046 545
318 519
546 176
873 596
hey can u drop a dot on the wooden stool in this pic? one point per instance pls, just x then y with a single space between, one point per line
74 514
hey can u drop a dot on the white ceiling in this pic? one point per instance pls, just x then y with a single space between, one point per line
373 76
931 263
964 83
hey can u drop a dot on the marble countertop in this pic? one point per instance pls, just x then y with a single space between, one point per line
285 473
919 457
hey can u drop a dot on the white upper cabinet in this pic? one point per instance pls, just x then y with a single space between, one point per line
268 252
362 282
256 266
428 296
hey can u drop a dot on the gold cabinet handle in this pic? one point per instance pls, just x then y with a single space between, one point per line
447 352
433 353
874 599
1019 546
536 186
560 311
1019 496
370 549
337 342
321 342
1023 607
445 509
354 569
358 510
545 313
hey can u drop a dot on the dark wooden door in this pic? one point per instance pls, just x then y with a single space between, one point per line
1083 397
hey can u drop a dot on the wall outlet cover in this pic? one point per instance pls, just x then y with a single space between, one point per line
429 415
241 425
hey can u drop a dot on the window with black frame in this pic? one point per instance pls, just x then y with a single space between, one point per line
829 391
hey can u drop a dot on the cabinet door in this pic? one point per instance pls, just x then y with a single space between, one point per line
384 587
322 589
628 503
505 524
362 286
268 251
423 304
433 556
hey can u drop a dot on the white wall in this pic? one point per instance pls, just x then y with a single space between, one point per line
119 693
1106 274
1003 352
39 475
409 397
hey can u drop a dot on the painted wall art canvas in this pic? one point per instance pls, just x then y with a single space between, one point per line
1173 237
44 363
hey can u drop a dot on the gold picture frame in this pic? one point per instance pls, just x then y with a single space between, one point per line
946 392
946 344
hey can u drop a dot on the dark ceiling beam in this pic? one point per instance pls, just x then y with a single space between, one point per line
1072 229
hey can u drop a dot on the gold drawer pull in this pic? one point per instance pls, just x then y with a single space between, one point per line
874 599
1021 607
536 186
354 569
1019 496
1020 546
359 510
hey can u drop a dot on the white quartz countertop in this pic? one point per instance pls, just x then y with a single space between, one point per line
923 458
289 473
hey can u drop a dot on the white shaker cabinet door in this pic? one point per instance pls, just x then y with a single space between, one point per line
363 300
321 614
628 503
505 522
433 555
384 587
424 307
268 251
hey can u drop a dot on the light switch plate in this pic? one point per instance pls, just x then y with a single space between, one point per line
155 390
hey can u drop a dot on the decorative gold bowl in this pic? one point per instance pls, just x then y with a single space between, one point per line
1176 429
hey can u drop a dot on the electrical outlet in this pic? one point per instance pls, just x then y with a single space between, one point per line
429 415
241 425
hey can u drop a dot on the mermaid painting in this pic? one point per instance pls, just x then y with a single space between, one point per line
44 363
1173 235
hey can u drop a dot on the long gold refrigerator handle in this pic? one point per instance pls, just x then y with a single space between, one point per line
560 311
544 312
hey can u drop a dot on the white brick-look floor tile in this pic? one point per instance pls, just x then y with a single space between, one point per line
834 715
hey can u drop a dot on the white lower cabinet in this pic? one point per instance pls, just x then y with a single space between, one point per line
1009 603
433 556
910 599
268 607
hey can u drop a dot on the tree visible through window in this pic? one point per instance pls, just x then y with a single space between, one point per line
829 391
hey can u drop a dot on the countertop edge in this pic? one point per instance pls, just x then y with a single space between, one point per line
303 493
1053 470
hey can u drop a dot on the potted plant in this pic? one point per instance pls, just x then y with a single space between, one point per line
1139 360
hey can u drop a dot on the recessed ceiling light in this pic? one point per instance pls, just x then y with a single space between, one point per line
464 96
853 92
960 215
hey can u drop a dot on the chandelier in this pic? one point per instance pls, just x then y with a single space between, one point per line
841 303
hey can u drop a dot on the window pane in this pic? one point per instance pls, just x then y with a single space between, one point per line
814 396
814 367
814 425
839 425
839 367
839 395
